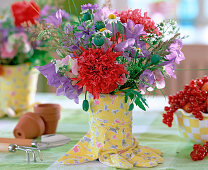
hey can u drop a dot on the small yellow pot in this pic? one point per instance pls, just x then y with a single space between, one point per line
18 86
193 129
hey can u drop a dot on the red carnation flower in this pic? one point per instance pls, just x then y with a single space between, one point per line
99 72
137 18
25 12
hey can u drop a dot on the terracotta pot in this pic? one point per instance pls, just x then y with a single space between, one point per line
50 113
30 126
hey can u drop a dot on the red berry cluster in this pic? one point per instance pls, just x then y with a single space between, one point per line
193 99
199 152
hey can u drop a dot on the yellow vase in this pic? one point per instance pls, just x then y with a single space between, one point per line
110 137
18 86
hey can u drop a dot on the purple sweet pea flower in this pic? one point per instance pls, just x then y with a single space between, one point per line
89 6
170 68
147 77
49 72
56 18
63 84
45 11
132 30
175 51
68 90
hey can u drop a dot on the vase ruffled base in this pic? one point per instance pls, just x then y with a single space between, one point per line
110 137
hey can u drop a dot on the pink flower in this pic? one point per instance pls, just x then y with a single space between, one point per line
123 79
127 135
97 102
65 60
7 51
76 148
99 144
14 38
74 67
160 82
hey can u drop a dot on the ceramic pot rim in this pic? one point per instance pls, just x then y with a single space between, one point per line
190 115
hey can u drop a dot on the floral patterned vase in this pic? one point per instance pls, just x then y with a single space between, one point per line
18 86
110 137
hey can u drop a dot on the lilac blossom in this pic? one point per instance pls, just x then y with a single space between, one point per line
170 68
3 35
130 49
89 6
126 47
132 30
175 51
68 28
85 33
63 84
142 46
148 78
98 15
107 44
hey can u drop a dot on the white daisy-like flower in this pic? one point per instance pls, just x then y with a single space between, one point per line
112 18
103 31
3 18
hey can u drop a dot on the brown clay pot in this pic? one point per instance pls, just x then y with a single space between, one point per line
30 126
50 113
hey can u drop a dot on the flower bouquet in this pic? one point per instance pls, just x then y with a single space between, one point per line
18 54
115 57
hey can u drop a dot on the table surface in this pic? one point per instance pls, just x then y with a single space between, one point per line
147 128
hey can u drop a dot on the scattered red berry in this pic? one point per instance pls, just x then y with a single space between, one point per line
199 151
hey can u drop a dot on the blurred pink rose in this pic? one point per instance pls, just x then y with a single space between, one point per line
7 51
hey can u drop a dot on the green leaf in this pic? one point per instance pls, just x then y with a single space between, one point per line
144 101
140 104
126 99
120 28
85 105
131 96
131 106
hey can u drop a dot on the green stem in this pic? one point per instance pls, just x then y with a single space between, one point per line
86 95
113 33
